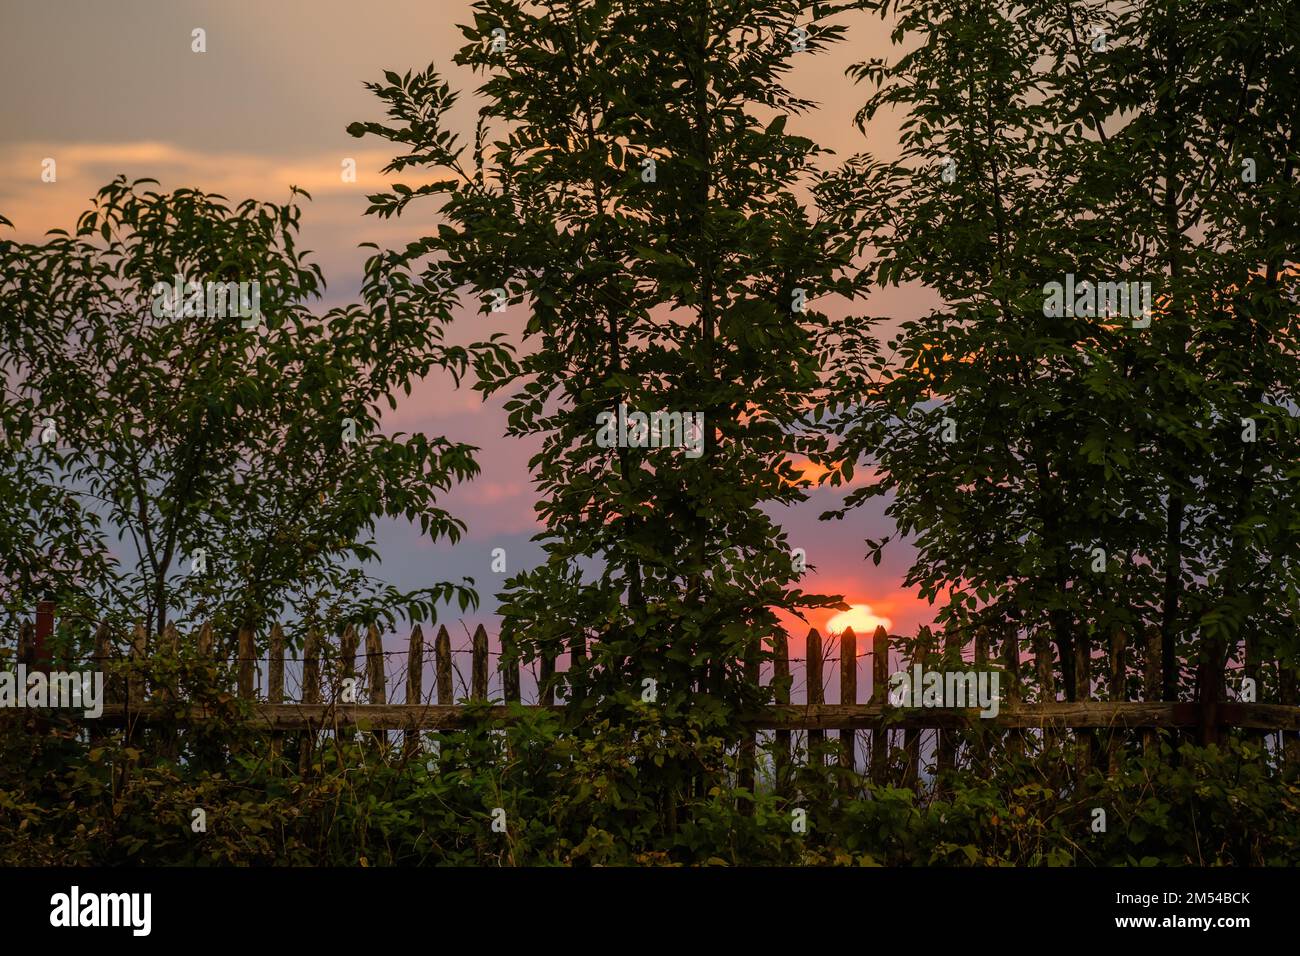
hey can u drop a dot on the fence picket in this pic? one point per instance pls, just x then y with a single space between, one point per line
1289 740
376 676
546 681
781 693
275 684
247 662
414 682
848 694
415 666
479 673
880 696
1118 692
442 667
577 655
1015 739
1085 740
135 681
509 667
946 757
275 669
347 662
1046 680
748 742
921 654
1152 681
311 667
813 667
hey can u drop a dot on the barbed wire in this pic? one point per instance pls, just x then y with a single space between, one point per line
237 658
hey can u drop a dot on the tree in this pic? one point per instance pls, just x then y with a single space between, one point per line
1071 469
992 423
226 436
642 199
1208 148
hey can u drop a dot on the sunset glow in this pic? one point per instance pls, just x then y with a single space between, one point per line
858 617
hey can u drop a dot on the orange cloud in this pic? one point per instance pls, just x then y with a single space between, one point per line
814 474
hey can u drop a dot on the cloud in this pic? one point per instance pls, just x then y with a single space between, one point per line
82 168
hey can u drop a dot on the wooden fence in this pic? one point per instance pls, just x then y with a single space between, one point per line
1100 728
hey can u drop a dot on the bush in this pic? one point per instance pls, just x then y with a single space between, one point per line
641 793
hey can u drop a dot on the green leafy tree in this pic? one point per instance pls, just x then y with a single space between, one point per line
1081 472
634 186
41 553
1207 145
992 425
221 458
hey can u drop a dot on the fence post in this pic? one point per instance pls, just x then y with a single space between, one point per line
781 690
27 643
310 693
577 654
1084 739
813 666
275 667
169 644
1252 671
135 680
1118 692
211 751
509 667
275 682
546 681
102 652
41 655
479 673
1046 680
980 742
848 695
207 659
442 667
748 742
415 666
1288 739
880 697
1015 739
912 735
345 671
414 682
1152 681
102 660
247 662
311 668
171 648
946 758
376 675
167 687
347 657
33 650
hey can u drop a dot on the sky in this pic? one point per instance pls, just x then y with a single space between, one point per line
115 88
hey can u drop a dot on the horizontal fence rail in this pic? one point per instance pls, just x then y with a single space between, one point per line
1096 715
142 691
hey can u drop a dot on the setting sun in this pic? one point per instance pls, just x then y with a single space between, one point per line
858 617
